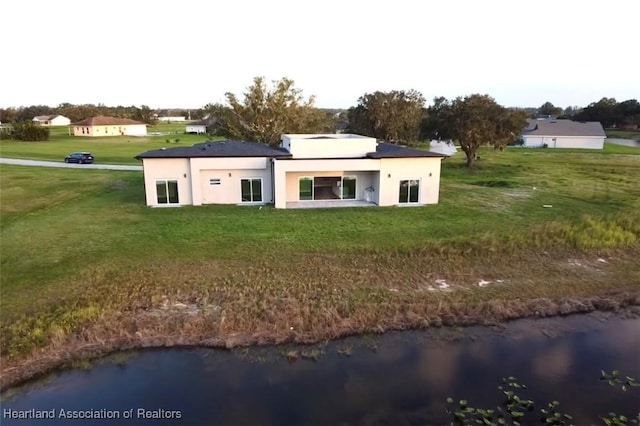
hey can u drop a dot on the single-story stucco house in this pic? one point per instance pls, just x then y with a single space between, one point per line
306 170
51 120
109 126
563 134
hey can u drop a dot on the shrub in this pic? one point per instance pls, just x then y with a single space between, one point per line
28 131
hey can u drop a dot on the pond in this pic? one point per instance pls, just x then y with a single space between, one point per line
396 378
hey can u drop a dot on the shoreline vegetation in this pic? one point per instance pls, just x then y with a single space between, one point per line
161 335
88 269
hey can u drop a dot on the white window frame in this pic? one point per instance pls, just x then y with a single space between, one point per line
409 203
250 179
166 183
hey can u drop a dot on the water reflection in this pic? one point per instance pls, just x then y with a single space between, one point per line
403 379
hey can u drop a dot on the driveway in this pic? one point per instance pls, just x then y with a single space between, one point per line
624 142
37 163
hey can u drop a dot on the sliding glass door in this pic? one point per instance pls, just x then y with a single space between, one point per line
167 191
349 188
305 188
409 191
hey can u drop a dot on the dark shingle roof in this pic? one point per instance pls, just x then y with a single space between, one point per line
217 149
387 150
564 128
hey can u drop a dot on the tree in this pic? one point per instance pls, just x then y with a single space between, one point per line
628 113
144 114
28 130
603 111
27 113
8 115
548 108
391 116
473 121
437 120
265 113
78 112
509 125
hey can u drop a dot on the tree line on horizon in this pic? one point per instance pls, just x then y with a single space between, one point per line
265 111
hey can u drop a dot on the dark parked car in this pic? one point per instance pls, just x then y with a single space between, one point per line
79 157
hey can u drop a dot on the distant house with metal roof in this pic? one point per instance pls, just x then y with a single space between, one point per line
306 170
109 126
551 133
51 120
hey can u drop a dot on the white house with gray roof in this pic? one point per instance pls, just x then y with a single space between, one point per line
550 133
51 120
306 170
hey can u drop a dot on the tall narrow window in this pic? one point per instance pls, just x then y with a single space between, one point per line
167 191
409 190
306 188
349 188
251 190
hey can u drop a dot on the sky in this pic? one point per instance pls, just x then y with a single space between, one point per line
188 53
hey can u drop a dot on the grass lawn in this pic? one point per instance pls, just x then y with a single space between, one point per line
84 261
106 150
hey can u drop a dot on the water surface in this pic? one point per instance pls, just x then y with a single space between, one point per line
398 378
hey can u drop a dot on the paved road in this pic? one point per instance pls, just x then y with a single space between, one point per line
37 163
624 142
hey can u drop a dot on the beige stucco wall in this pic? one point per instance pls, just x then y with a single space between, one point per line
97 131
193 178
393 170
169 169
228 192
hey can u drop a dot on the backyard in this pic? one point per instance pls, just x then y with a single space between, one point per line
87 267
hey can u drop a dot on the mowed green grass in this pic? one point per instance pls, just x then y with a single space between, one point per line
106 150
77 244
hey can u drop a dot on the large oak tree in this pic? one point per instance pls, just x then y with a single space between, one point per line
391 116
474 121
266 112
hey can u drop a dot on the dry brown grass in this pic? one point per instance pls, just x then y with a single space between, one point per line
222 304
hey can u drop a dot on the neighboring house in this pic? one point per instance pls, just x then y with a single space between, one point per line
563 134
52 120
446 148
202 126
163 119
109 126
317 170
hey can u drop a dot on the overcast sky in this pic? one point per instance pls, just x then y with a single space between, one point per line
168 53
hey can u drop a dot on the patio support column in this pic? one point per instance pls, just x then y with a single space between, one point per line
279 185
